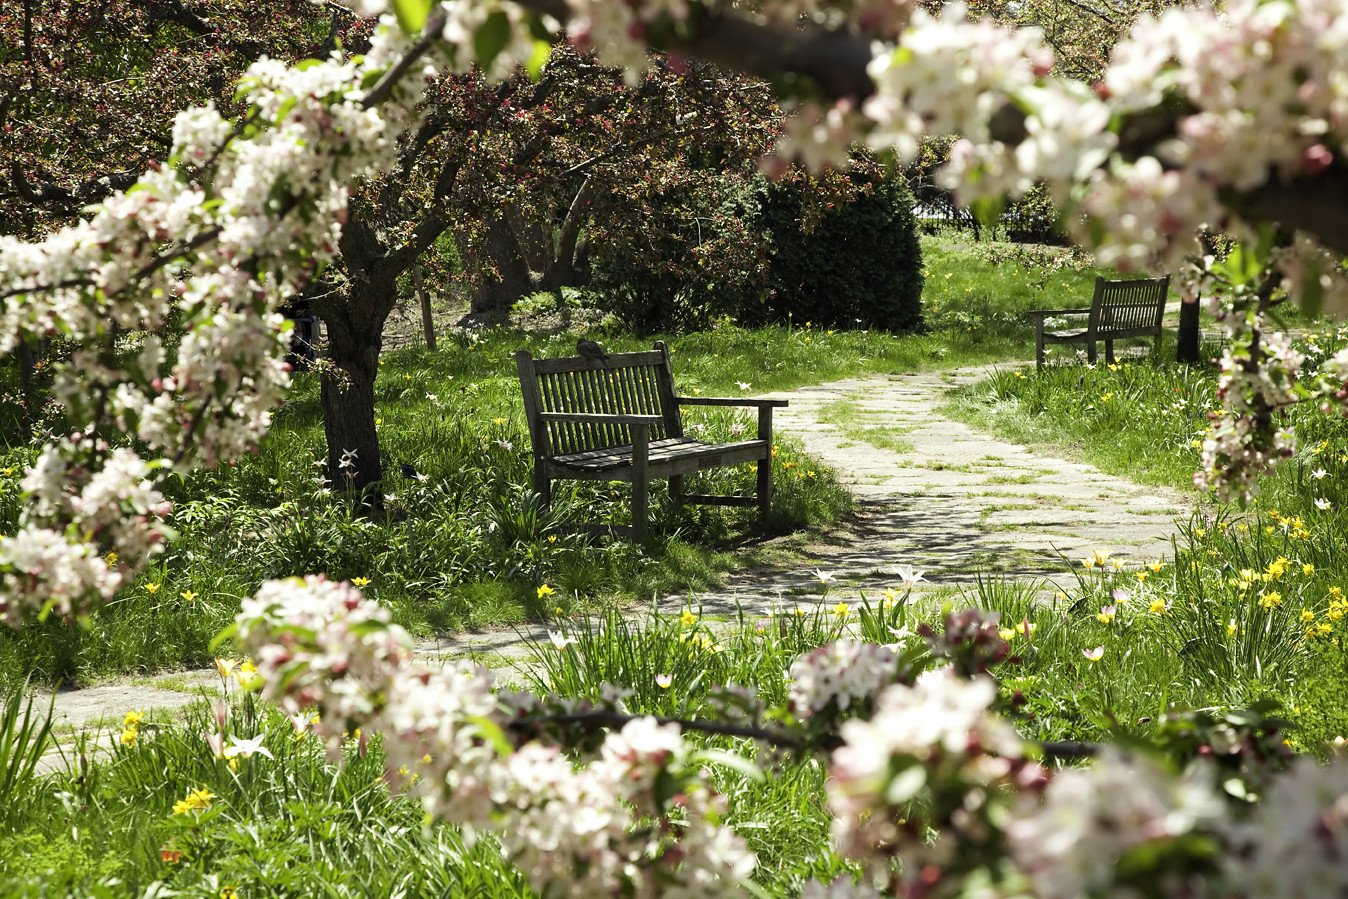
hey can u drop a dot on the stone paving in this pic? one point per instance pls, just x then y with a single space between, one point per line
939 496
932 493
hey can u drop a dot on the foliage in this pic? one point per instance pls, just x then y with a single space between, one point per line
842 251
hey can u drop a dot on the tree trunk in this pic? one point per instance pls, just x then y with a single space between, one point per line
347 393
512 280
1187 349
26 359
424 298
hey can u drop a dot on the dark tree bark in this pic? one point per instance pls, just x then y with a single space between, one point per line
1187 346
512 279
424 299
354 313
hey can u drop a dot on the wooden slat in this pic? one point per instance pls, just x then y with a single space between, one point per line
705 499
581 363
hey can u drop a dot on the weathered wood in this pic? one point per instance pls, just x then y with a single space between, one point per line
618 420
1119 310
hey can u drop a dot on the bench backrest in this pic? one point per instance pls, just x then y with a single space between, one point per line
626 384
1129 308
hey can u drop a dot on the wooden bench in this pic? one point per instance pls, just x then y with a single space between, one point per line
1120 309
618 420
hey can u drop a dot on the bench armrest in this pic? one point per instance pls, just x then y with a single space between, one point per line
729 401
600 418
1047 313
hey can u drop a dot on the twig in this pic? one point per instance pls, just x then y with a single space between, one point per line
435 27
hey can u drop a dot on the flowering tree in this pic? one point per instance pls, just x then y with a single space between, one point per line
1237 120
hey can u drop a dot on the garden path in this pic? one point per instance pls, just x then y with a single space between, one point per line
932 493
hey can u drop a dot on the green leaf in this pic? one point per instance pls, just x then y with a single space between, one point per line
491 732
491 38
412 14
542 52
730 760
224 636
906 785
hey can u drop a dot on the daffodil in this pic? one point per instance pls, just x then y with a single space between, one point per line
129 736
1271 600
133 718
840 610
545 591
1158 606
196 800
687 618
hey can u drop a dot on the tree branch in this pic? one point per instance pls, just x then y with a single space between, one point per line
1058 750
435 27
834 61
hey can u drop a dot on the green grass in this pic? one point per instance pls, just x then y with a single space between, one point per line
1251 596
469 547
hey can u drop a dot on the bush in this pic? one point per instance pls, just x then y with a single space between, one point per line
842 255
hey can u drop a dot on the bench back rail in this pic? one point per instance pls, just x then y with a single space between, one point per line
626 384
1128 308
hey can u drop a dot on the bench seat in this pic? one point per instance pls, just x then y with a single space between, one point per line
665 457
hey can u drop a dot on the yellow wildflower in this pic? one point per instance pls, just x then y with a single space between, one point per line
1308 569
1231 629
360 582
1142 576
1270 600
129 737
840 610
1006 633
687 619
544 591
189 595
225 667
1105 615
196 800
1158 607
152 589
1307 615
498 421
133 718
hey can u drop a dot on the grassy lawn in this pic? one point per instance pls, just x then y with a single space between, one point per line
1252 603
468 548
1250 608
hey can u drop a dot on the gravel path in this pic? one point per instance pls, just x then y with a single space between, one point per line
932 493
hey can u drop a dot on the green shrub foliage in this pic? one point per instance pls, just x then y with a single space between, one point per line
843 254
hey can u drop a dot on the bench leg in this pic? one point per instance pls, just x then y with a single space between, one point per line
764 486
676 490
1109 351
542 485
641 485
1039 346
1092 352
1156 345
